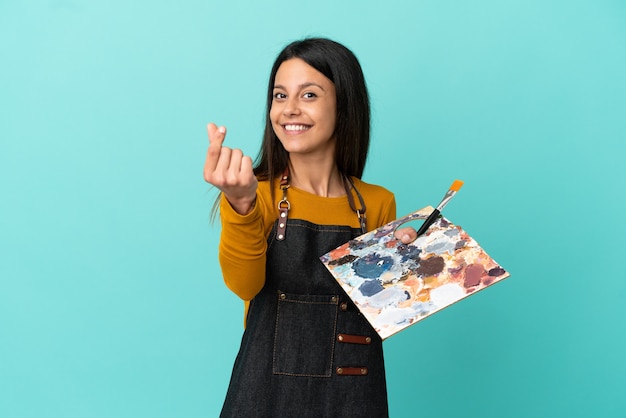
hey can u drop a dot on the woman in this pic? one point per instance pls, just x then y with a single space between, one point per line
306 350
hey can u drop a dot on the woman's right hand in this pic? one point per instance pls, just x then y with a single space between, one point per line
230 171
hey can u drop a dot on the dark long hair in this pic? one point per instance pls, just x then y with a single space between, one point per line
352 131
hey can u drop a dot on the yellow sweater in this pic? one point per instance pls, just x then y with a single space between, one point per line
243 241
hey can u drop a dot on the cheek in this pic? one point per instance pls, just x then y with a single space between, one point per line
328 114
329 119
273 114
333 122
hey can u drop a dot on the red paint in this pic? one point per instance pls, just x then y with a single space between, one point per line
473 275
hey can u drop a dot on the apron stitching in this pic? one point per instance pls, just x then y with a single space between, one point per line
329 373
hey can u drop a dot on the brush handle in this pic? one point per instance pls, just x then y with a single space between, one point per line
429 221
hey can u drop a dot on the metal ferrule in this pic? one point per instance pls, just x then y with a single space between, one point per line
446 199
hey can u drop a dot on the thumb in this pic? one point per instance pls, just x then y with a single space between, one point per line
216 135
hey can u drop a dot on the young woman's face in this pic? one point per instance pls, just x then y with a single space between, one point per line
304 109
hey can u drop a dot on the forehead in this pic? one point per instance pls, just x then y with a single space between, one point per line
296 72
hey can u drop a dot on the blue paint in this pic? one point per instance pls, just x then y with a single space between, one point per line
451 232
371 287
372 266
408 252
459 245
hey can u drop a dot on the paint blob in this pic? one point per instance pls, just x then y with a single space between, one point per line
371 287
430 267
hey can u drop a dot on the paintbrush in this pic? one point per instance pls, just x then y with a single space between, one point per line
456 185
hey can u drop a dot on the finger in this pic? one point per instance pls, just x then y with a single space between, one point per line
409 235
406 235
216 138
246 167
234 167
224 161
212 157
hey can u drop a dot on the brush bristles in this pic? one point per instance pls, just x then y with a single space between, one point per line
456 185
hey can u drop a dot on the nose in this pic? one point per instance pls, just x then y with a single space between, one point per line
292 107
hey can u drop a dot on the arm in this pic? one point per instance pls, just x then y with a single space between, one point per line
242 242
242 250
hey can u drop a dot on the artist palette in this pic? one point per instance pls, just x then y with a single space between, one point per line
395 285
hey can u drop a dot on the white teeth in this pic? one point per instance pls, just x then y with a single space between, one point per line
296 127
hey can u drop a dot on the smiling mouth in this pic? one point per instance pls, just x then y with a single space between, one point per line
296 128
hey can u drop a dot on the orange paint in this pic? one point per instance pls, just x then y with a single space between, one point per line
340 251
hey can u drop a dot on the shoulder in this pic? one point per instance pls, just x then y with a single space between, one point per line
372 190
264 188
381 203
267 202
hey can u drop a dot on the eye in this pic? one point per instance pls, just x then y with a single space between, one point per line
309 95
279 96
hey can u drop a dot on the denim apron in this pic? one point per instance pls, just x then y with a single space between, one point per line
306 350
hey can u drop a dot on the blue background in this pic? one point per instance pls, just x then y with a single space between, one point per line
111 298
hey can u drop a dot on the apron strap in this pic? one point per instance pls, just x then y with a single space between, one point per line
360 213
284 205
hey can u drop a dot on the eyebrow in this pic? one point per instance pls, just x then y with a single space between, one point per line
301 86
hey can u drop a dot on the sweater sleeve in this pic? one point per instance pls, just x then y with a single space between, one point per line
242 250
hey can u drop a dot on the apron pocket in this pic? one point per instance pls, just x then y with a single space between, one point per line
304 341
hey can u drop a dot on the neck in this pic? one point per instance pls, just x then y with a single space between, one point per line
321 178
